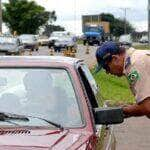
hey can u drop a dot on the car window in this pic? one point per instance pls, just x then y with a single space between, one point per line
90 78
27 38
7 40
46 93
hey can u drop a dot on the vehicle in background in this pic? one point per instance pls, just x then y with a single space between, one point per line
62 40
29 41
95 31
125 40
11 45
54 37
67 93
144 39
43 40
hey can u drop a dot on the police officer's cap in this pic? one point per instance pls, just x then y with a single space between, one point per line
105 52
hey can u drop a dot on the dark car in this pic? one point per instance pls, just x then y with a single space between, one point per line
51 103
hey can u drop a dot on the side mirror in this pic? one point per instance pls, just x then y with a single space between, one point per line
108 116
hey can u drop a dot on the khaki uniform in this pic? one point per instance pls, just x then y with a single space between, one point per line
137 71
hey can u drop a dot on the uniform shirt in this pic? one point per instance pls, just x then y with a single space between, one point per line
137 71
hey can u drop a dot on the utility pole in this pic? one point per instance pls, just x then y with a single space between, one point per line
149 22
0 16
125 19
75 17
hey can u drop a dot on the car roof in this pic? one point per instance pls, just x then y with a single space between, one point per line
39 59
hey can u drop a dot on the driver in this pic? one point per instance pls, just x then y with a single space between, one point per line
39 92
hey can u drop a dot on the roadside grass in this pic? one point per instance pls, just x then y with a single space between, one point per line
112 88
79 42
142 47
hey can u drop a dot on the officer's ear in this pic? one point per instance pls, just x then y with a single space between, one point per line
116 59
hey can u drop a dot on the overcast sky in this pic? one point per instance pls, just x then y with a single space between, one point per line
69 12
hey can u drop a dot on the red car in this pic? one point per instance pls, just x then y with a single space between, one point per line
51 103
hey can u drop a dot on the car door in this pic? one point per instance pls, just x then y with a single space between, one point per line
104 133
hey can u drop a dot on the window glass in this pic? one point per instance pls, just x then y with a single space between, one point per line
45 93
90 79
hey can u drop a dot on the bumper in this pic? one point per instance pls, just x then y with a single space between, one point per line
9 51
29 46
44 43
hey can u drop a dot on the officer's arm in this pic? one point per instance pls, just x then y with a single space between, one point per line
140 109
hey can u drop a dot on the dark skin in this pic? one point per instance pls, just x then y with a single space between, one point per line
115 67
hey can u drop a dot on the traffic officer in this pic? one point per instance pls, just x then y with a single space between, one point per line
135 65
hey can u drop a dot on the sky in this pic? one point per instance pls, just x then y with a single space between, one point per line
69 12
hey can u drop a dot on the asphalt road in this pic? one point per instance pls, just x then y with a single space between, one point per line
81 54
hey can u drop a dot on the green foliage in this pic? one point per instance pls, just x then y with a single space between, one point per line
26 16
114 88
142 47
48 29
116 25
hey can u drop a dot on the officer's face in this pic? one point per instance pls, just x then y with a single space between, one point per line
115 66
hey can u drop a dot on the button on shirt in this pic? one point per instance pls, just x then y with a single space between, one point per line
137 71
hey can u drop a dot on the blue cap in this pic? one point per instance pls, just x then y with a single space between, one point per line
105 53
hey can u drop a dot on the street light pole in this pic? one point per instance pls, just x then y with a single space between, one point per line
125 19
0 16
149 22
125 25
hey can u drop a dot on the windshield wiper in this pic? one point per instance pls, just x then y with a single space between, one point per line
9 116
50 122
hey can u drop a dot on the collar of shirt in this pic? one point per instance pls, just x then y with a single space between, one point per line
128 61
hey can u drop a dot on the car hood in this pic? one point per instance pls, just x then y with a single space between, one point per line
8 47
40 139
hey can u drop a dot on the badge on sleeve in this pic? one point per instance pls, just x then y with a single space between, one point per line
133 77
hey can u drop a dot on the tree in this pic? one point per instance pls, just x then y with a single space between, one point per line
117 24
49 28
26 16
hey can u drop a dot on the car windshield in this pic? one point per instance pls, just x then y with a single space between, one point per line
27 38
7 40
93 29
44 93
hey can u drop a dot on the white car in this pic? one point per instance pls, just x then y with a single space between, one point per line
29 41
10 45
144 39
125 40
60 40
43 40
